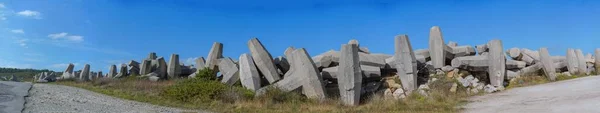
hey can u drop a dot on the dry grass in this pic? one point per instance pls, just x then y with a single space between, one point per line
440 100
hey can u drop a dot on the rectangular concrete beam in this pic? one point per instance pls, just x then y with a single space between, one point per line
263 60
349 75
248 73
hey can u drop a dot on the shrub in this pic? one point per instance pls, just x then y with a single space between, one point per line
274 96
205 88
196 89
207 74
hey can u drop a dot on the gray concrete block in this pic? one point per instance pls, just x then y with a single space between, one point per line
437 47
406 63
349 75
370 71
547 64
248 73
146 67
572 62
162 68
216 52
229 70
582 67
112 72
597 60
513 64
174 68
263 60
68 73
514 53
497 63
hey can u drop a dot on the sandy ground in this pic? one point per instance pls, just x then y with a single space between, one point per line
581 95
48 98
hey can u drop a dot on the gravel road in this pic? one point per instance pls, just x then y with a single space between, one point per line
48 98
581 95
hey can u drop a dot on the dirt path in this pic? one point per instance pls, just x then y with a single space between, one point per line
581 95
65 99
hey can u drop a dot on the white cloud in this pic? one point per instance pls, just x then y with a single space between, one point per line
66 36
30 13
23 42
18 31
2 5
190 61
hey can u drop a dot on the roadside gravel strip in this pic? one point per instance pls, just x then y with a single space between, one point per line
580 95
49 98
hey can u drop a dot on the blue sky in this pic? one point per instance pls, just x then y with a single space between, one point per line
52 33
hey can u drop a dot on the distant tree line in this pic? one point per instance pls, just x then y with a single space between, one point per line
25 74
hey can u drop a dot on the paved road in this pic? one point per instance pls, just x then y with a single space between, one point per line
12 96
581 95
44 98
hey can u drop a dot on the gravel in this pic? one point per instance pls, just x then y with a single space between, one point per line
45 98
580 95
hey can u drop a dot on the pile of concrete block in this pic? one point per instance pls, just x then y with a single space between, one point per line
353 71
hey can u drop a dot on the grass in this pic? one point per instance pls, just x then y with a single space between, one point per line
440 100
535 79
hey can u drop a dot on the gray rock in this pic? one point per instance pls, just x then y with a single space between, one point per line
349 75
174 66
229 70
497 63
582 67
490 89
572 62
597 60
12 96
406 63
85 73
263 60
447 68
547 64
153 78
216 52
112 72
248 73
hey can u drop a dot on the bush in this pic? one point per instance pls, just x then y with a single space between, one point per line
275 96
207 74
196 89
205 88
